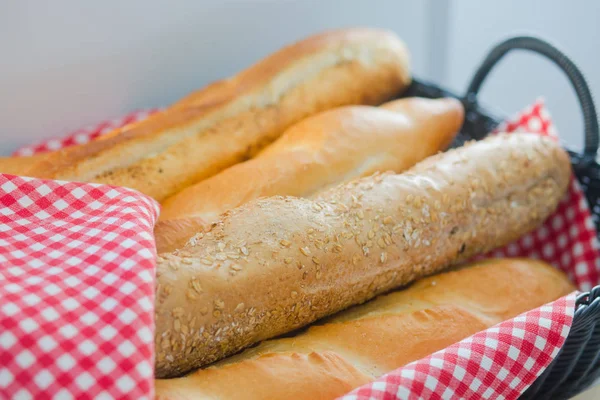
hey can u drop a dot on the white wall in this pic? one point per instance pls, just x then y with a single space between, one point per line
71 63
573 26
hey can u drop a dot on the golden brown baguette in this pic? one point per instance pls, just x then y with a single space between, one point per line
19 165
33 165
359 345
231 120
275 264
325 150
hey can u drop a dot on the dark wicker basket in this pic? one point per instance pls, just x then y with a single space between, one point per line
577 365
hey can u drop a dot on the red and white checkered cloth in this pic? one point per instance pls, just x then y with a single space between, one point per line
76 290
76 286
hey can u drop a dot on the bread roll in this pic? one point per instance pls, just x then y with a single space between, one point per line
231 120
367 341
273 265
319 152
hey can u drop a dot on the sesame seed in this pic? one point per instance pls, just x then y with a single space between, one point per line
239 308
221 256
244 250
196 285
387 238
285 243
206 261
177 312
383 257
294 294
219 304
190 295
287 260
371 234
305 251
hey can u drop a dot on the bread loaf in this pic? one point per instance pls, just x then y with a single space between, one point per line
231 120
361 344
319 152
19 165
275 264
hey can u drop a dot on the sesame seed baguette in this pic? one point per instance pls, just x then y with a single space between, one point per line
230 120
275 264
362 343
319 152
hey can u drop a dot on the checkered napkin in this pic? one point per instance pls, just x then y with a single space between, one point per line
76 296
76 286
503 361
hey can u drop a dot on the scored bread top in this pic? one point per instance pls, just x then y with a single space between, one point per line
232 119
319 152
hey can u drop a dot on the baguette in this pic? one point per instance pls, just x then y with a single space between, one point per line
231 120
19 165
273 265
367 341
319 152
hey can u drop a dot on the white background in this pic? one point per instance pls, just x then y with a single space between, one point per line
67 64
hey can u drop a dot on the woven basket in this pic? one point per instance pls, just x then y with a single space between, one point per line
577 365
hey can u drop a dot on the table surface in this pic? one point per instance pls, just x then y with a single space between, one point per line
591 394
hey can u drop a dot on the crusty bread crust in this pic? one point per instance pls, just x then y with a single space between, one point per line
317 153
276 264
359 345
230 120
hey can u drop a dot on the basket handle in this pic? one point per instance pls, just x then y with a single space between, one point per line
575 76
